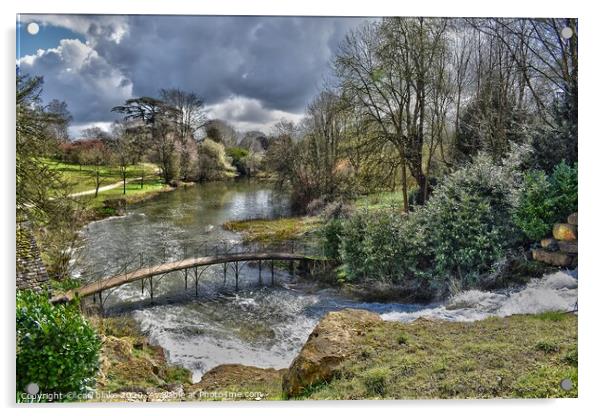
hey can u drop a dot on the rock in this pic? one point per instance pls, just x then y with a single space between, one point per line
565 232
227 375
550 244
554 258
568 246
572 219
331 342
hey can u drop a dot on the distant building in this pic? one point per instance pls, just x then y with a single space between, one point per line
31 273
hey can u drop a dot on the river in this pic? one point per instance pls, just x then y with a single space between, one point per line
260 325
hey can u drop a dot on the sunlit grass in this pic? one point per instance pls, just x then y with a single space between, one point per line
82 177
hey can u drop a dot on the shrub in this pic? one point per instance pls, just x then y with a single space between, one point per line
468 219
331 238
56 347
213 161
461 233
545 200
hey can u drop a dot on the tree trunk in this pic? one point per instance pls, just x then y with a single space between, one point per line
97 183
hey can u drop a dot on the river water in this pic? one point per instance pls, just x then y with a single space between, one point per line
260 324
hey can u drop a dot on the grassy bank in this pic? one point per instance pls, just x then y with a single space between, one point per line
268 231
82 178
523 356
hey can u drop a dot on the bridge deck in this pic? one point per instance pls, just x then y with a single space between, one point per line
142 273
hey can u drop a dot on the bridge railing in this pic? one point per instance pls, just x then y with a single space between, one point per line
167 253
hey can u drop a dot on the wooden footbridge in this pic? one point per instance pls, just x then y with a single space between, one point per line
236 256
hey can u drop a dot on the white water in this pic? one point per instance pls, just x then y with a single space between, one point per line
553 292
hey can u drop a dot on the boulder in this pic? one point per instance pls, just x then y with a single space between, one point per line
550 244
568 246
554 258
572 219
565 232
331 342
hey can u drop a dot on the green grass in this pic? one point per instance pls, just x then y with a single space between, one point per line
380 200
82 178
133 192
281 229
518 356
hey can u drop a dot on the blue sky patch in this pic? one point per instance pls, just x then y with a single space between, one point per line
48 37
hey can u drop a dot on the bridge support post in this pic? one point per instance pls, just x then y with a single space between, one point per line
236 273
142 284
100 302
225 272
292 268
260 279
185 279
152 293
196 281
272 269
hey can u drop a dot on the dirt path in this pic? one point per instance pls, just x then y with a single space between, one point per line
103 188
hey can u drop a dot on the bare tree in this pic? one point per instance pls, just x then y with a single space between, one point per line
159 119
190 118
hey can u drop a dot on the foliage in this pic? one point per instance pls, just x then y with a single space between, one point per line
56 347
330 233
545 200
462 231
213 161
41 193
238 155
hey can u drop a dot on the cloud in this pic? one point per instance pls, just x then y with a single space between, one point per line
249 69
247 114
76 129
111 27
75 72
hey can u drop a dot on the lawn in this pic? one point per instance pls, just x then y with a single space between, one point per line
380 200
82 178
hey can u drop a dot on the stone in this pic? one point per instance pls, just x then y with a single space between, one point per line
568 246
550 244
224 376
572 219
554 258
565 232
331 342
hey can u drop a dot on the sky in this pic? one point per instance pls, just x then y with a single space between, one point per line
251 71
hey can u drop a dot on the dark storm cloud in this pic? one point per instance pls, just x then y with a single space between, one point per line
276 64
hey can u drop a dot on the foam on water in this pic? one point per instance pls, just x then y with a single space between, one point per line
553 292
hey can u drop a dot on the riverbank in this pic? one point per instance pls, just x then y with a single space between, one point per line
520 356
274 230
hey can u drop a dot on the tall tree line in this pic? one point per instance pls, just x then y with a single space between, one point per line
419 97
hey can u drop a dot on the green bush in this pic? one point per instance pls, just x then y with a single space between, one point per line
469 220
545 200
460 234
56 347
331 238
